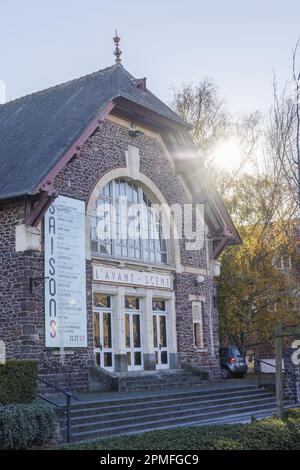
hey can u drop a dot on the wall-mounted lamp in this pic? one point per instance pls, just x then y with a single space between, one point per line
36 282
199 280
133 132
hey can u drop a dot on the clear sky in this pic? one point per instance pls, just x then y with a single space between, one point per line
238 43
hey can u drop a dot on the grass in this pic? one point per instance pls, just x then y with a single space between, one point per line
267 434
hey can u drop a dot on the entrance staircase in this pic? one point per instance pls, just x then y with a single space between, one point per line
146 381
110 414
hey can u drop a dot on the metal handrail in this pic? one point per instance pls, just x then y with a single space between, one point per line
66 408
261 361
50 401
265 362
274 366
58 388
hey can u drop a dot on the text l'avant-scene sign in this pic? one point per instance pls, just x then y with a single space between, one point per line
65 288
131 277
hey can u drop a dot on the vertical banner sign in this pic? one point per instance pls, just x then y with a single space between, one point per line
65 289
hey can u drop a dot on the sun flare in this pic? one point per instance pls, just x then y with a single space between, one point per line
227 154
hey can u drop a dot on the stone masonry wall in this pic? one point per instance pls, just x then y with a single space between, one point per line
22 325
291 376
22 312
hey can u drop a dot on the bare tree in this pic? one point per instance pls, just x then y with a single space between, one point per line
247 131
203 107
285 127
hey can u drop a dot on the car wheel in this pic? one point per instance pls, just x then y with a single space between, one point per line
225 373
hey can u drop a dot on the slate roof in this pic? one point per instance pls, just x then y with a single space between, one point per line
37 130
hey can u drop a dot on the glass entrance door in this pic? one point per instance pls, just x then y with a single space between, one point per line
133 338
103 332
160 337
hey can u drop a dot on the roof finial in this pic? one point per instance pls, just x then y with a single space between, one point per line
117 51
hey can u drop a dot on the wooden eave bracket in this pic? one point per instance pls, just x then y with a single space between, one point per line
222 240
39 206
183 165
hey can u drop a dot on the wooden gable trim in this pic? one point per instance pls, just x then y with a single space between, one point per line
75 148
44 194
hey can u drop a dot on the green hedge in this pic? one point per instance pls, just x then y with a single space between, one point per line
25 426
18 382
267 434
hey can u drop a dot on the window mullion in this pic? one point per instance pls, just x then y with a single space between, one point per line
146 243
142 241
113 197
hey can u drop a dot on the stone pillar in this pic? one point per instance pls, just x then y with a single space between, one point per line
292 374
119 331
2 352
147 333
172 334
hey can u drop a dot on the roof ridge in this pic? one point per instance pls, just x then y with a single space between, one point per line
55 87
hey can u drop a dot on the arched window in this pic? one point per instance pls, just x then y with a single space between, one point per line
126 224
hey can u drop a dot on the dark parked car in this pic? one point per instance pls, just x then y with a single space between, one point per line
233 364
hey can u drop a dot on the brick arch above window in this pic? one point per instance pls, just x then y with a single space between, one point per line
155 195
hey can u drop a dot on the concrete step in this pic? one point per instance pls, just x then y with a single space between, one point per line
163 379
157 386
233 413
171 378
165 395
155 406
132 418
244 417
105 415
157 375
136 375
228 419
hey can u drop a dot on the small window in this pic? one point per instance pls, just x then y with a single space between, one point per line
132 303
198 324
234 351
158 304
287 262
272 305
102 301
222 352
282 261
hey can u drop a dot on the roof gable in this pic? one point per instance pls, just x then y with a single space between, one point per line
38 129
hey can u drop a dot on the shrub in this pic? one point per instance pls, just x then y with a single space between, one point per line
18 382
227 444
293 413
293 421
26 425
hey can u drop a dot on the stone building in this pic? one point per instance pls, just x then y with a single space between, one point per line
74 295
